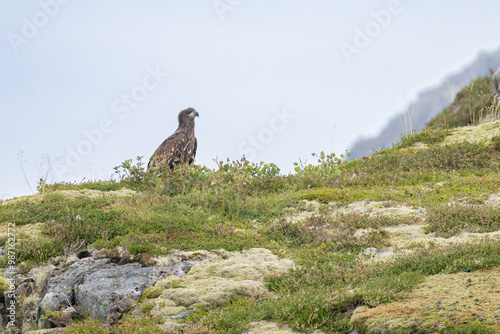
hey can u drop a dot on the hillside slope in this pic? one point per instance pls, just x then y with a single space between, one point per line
336 247
428 104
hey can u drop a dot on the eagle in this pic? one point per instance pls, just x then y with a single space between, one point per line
180 147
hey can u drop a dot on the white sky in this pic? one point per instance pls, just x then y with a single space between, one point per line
66 73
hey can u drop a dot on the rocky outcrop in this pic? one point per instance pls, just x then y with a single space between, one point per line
428 104
214 281
112 290
59 292
374 208
105 285
102 289
96 284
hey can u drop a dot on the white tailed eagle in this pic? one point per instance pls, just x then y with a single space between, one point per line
179 148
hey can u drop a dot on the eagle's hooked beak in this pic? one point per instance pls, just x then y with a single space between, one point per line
196 114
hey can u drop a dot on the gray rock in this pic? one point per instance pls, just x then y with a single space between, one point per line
65 317
182 268
59 289
24 289
10 272
102 289
47 331
182 315
113 290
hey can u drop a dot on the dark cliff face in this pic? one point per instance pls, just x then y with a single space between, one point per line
428 104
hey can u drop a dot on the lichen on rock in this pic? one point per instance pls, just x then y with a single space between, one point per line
374 208
216 280
440 301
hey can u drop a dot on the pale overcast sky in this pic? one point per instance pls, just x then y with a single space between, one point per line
88 84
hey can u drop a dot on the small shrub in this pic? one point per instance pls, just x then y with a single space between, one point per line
4 285
231 318
387 288
39 250
474 328
328 167
136 175
88 326
426 136
315 308
496 142
144 325
470 105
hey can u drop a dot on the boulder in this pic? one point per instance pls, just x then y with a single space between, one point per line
216 280
59 289
102 289
114 289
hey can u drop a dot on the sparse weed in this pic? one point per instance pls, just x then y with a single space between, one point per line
450 220
471 105
88 326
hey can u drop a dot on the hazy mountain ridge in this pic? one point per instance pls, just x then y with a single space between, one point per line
429 103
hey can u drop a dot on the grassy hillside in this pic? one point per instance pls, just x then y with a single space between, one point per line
344 224
471 105
427 105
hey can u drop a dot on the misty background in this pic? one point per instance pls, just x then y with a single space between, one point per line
85 85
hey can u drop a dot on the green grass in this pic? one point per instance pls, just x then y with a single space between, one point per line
454 219
242 205
324 247
93 185
328 285
471 104
475 328
426 136
496 142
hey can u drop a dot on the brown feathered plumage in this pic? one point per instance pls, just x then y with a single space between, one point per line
179 148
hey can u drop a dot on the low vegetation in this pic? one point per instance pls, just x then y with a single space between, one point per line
242 205
472 105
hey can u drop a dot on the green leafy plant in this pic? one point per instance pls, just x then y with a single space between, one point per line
135 174
248 168
496 142
328 166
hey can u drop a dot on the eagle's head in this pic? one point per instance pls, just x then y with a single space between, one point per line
186 117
